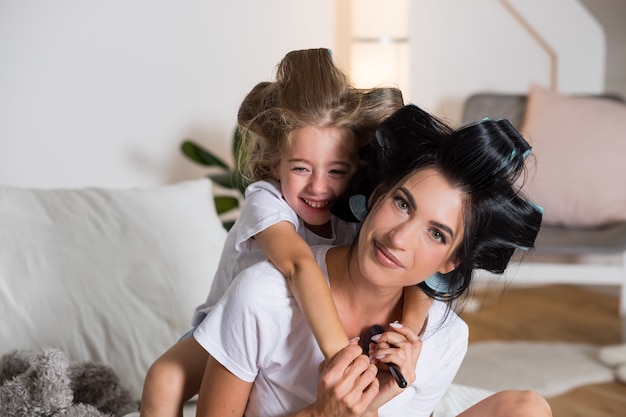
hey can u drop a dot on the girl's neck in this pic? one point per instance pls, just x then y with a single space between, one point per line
359 303
324 230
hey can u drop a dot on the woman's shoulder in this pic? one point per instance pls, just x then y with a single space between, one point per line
259 279
263 278
443 321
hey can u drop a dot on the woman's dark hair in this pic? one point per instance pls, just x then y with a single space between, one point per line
483 160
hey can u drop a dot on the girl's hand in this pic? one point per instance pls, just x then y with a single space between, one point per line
416 307
347 386
401 346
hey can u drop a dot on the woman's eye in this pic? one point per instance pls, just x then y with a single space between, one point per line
438 236
401 203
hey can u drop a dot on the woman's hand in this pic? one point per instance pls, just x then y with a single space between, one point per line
401 346
347 386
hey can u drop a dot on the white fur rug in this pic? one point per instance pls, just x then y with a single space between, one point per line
548 368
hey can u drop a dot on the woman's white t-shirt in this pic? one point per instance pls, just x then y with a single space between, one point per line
258 333
263 207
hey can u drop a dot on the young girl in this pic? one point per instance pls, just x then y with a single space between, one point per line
302 135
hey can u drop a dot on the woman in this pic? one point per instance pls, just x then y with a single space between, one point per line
445 204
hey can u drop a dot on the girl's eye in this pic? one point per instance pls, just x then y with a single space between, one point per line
299 169
438 236
338 172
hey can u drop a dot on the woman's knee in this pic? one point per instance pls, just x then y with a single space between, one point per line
510 403
522 403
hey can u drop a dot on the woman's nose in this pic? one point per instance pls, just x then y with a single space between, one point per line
402 235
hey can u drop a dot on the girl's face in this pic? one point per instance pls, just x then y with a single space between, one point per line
413 232
316 170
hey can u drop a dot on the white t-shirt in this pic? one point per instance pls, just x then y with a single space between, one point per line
263 207
258 333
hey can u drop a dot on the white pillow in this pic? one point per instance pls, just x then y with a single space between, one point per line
110 276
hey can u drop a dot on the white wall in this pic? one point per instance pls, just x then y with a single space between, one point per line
101 93
459 47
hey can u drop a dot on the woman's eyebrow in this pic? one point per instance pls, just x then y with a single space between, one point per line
413 204
445 228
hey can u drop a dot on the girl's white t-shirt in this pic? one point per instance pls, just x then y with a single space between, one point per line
263 206
259 334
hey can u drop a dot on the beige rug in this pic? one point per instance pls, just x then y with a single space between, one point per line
548 368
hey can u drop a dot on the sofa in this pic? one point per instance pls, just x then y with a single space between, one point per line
105 275
578 175
112 276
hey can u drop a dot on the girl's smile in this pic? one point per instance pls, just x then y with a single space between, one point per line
315 171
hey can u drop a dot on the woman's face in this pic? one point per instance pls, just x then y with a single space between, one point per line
414 231
315 171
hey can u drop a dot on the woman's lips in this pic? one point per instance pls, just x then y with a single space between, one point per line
386 258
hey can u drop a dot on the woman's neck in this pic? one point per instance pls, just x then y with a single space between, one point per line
359 303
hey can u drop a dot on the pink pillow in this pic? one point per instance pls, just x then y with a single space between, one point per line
580 149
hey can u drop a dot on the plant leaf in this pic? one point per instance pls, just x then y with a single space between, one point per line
228 224
238 181
224 179
225 203
198 154
237 138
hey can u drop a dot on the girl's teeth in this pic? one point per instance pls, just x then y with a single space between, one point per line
316 205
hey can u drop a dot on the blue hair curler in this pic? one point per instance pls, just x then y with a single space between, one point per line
439 282
358 206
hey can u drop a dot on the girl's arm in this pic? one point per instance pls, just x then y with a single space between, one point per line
415 309
293 257
221 392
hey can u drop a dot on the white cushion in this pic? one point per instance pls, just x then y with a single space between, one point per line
106 275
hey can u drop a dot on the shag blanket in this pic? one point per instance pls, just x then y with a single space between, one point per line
48 384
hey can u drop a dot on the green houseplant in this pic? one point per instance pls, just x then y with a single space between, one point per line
227 177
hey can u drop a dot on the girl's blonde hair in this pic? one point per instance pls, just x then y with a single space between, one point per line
309 91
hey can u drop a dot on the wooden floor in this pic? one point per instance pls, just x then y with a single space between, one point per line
555 313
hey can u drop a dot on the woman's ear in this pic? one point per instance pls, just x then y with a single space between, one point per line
448 266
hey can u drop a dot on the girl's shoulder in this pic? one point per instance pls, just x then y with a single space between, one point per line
262 207
267 187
